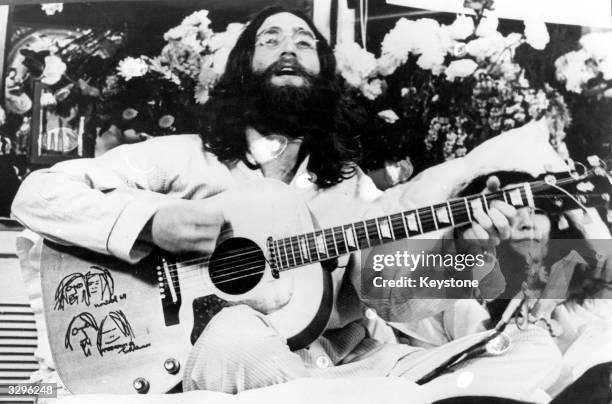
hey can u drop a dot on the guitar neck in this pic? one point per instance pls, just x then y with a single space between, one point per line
329 243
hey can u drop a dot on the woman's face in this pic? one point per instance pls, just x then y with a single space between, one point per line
530 233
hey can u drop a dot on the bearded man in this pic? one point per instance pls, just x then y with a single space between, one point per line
276 112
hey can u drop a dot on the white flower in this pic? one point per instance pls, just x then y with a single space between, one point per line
198 19
180 32
155 65
47 99
228 38
536 34
372 90
52 8
388 115
18 104
486 47
461 28
598 43
460 68
54 69
432 59
131 67
2 117
572 69
396 45
387 63
413 37
488 26
354 63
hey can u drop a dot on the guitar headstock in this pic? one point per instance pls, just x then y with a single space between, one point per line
577 189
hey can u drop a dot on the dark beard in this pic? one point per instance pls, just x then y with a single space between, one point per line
294 111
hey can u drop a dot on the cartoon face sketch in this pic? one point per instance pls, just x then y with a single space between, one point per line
96 286
71 290
114 331
79 331
100 284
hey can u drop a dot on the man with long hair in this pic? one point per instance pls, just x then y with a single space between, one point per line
277 112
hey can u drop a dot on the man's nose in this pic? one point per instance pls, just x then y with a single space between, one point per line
288 48
525 220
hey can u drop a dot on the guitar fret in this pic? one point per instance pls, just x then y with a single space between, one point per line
291 263
485 203
296 247
380 236
304 248
433 215
467 209
340 242
335 242
504 195
383 228
418 217
373 236
312 243
350 237
361 233
413 222
390 223
397 225
284 256
321 245
450 214
278 262
330 240
516 198
403 217
529 195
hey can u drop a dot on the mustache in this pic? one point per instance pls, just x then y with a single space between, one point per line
276 68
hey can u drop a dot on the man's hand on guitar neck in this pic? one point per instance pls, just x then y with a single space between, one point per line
185 226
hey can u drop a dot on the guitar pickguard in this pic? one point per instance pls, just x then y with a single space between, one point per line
204 309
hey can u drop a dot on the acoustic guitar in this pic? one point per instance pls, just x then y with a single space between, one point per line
121 328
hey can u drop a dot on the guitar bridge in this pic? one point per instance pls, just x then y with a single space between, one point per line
170 292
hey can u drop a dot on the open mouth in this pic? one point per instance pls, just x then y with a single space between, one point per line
286 71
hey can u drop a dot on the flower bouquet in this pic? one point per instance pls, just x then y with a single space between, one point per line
162 94
436 90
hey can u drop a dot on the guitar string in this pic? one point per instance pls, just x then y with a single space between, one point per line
429 221
534 188
460 201
296 263
176 280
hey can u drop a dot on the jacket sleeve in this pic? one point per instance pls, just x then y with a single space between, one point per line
103 203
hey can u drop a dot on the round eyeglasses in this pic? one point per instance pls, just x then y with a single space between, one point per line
273 38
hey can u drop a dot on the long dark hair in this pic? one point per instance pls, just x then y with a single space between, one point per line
330 139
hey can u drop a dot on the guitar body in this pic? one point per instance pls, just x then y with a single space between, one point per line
121 328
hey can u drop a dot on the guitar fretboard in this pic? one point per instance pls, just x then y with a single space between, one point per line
324 244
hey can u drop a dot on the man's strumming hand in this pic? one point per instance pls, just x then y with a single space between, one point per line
185 226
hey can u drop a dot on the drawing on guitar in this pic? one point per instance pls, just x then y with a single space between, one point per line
112 333
94 287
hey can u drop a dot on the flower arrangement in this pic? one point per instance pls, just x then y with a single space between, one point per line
584 77
150 94
160 95
588 69
449 87
71 72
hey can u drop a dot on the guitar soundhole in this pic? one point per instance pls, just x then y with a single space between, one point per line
236 266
